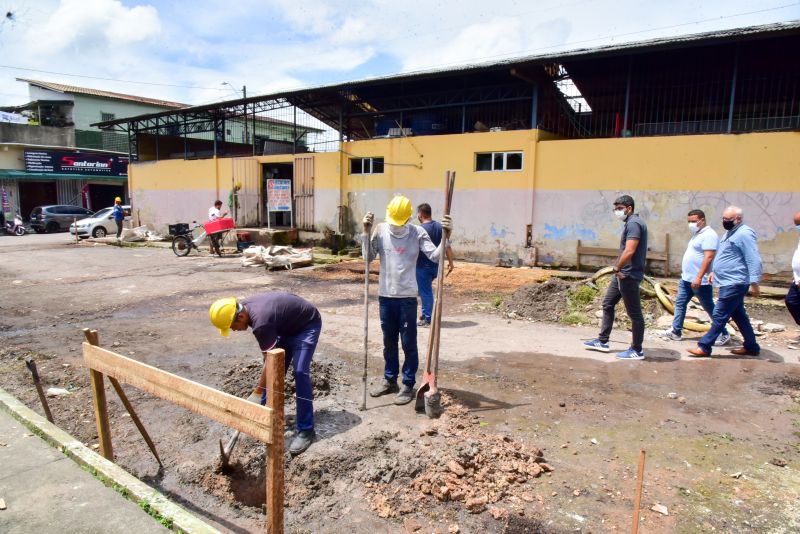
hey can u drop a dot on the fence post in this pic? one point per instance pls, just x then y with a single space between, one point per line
99 400
275 450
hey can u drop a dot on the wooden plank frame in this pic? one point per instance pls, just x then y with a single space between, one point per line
606 252
260 422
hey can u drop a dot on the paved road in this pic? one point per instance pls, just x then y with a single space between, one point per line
36 240
46 492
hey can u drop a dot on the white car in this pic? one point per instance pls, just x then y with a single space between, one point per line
100 224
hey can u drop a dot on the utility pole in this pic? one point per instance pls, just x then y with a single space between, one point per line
246 133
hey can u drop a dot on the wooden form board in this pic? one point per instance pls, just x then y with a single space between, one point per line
250 418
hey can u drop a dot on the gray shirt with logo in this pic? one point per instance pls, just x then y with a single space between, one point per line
398 277
635 228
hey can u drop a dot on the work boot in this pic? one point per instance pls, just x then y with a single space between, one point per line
405 396
302 441
384 388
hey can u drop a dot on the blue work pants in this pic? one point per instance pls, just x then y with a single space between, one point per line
705 294
425 277
399 319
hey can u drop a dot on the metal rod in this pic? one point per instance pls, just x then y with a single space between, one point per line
627 96
638 500
535 106
31 365
135 417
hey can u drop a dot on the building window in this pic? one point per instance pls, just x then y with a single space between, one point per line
107 116
498 161
366 165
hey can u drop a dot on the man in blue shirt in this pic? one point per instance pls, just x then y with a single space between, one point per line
119 215
695 270
736 268
426 269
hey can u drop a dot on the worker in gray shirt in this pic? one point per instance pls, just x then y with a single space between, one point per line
629 272
399 244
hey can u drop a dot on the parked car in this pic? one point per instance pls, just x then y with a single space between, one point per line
100 224
57 217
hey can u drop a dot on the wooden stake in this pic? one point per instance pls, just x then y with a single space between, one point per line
638 501
275 474
134 417
99 401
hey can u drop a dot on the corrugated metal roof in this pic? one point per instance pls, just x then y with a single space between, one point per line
728 35
74 89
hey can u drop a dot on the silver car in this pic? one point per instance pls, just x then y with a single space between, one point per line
100 224
56 218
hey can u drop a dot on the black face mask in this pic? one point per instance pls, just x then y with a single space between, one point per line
728 225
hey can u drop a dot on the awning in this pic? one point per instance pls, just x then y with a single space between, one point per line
12 174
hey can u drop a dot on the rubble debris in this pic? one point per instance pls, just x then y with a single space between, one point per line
772 328
56 392
544 301
779 462
277 256
660 508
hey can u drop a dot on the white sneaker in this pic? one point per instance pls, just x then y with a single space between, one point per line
670 334
722 340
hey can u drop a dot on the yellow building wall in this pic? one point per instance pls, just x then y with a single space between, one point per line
746 162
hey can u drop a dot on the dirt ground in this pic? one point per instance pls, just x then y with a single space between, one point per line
537 436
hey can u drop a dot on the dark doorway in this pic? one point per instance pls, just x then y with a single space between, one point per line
32 194
280 171
102 196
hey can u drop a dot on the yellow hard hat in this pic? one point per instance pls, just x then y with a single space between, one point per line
222 313
399 210
117 199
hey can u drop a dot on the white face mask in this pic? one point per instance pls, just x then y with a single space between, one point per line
398 231
620 214
693 227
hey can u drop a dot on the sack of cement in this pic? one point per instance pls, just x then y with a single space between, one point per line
276 256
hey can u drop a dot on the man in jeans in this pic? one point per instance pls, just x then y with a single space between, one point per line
793 296
427 271
279 320
694 275
736 268
119 215
399 244
629 272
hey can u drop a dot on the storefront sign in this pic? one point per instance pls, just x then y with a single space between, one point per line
279 195
49 161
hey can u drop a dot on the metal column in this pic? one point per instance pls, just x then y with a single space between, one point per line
733 88
627 97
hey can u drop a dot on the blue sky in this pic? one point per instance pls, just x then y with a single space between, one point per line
186 49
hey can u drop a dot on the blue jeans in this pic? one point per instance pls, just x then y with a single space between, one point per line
793 302
299 351
705 294
399 319
425 277
730 305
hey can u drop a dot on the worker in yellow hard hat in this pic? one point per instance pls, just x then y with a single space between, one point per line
399 244
278 320
118 213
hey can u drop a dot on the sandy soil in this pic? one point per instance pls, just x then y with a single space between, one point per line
517 387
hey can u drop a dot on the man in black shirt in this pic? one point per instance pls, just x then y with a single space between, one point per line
629 272
279 320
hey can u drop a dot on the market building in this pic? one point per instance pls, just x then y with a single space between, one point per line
541 145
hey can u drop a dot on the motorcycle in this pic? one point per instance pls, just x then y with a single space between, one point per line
15 227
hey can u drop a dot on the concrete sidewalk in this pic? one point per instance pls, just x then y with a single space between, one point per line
44 491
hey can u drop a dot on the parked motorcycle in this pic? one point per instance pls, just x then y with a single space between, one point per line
15 227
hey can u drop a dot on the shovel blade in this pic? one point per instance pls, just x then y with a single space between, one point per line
223 457
419 403
433 405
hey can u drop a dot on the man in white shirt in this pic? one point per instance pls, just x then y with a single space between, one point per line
793 296
694 280
214 213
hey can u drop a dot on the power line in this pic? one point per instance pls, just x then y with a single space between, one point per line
610 37
112 79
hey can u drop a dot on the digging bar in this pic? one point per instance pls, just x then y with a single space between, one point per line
428 398
31 365
226 450
366 251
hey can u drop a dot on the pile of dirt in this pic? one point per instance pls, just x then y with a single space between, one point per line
541 301
241 379
451 466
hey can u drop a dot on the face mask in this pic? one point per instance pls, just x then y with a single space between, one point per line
693 227
620 214
398 231
797 227
728 225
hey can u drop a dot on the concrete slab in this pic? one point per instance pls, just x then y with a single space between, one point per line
45 491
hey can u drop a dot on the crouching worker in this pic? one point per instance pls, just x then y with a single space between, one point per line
278 320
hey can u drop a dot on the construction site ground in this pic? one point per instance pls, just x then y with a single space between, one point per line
538 435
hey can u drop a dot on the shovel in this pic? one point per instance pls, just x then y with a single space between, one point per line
367 240
226 450
428 398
